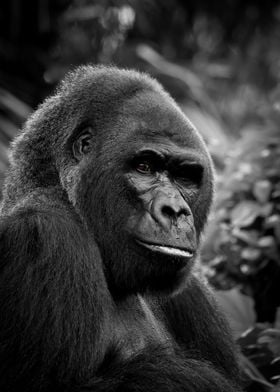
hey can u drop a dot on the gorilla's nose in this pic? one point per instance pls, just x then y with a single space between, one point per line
170 209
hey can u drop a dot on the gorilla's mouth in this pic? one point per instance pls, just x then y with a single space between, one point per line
167 249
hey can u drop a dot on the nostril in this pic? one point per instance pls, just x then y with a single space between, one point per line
168 211
171 212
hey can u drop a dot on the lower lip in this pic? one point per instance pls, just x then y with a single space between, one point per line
167 250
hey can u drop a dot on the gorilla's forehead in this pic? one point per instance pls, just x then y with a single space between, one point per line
152 116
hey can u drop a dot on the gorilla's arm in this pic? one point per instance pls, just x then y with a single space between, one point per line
50 289
198 326
55 318
153 371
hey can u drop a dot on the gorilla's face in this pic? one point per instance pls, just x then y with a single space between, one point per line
149 193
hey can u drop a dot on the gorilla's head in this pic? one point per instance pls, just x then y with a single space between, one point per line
133 167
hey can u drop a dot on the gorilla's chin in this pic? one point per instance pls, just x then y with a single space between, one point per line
157 272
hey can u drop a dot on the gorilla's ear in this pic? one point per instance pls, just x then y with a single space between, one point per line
82 145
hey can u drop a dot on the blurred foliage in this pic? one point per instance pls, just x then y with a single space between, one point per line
244 235
241 251
221 60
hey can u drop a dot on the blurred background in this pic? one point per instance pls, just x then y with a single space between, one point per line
221 61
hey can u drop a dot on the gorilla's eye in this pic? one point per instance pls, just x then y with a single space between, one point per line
189 173
146 162
144 167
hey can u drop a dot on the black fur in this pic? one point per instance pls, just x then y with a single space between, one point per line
82 306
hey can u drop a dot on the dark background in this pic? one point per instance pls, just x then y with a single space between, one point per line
221 61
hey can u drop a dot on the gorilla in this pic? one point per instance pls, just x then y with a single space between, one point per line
105 200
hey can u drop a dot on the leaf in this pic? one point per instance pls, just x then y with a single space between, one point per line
245 213
262 190
272 221
238 308
250 254
266 242
271 337
252 372
250 237
266 209
11 104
